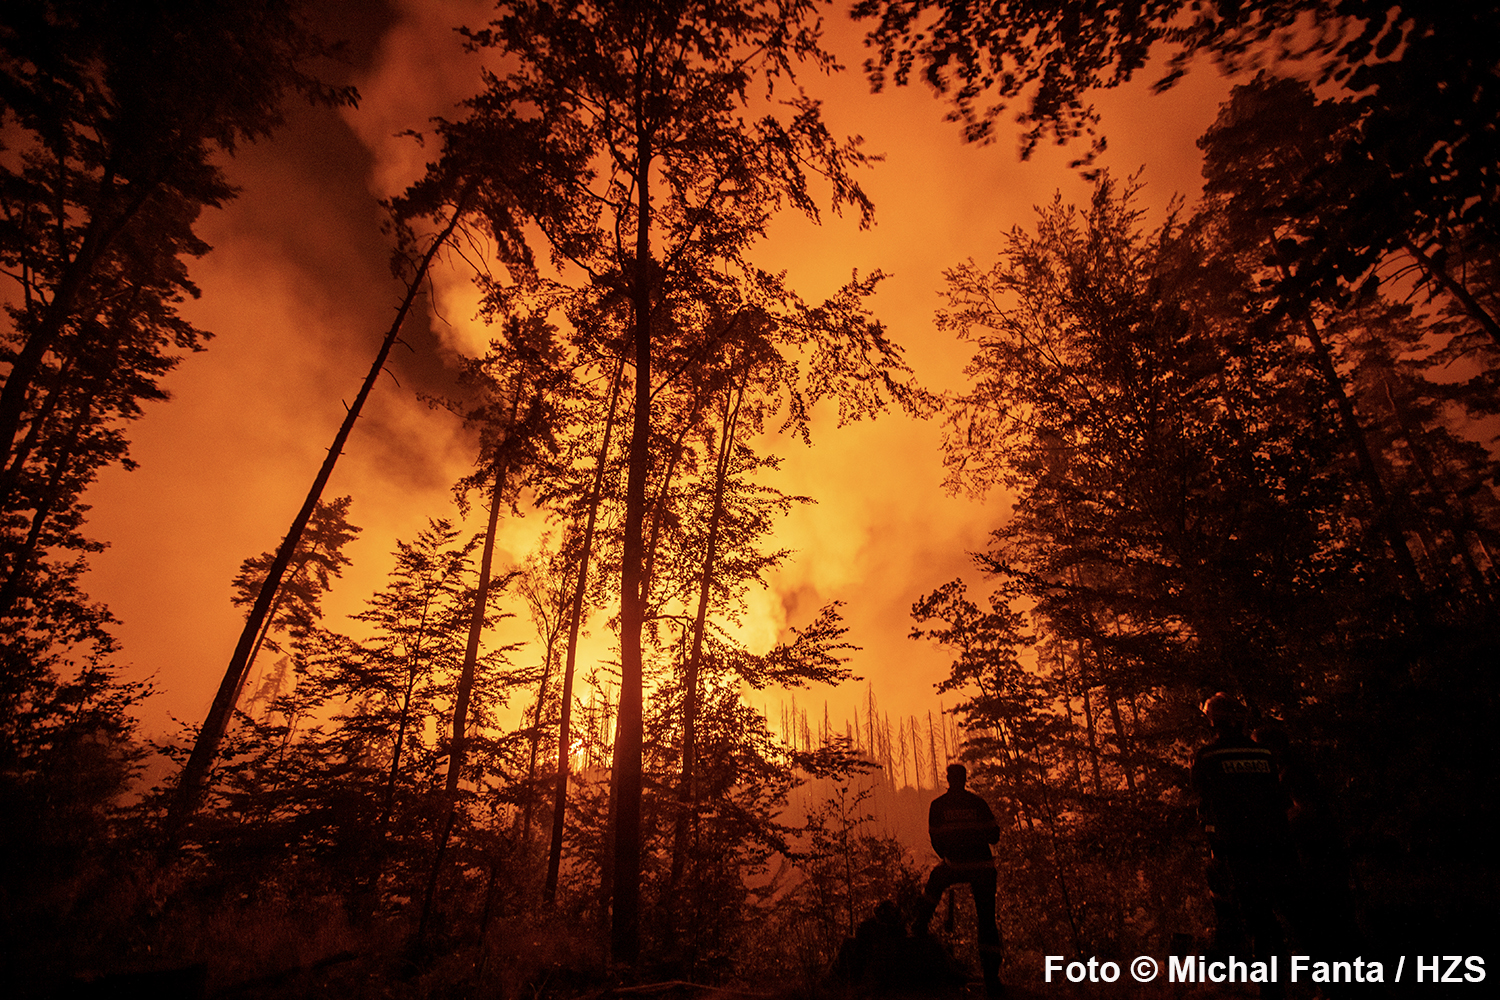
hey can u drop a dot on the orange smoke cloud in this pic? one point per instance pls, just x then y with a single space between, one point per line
298 292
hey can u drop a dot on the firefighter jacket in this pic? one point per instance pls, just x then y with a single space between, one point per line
1240 798
962 827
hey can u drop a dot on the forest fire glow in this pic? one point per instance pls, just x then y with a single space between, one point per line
657 495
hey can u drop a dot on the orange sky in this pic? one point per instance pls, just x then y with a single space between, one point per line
298 293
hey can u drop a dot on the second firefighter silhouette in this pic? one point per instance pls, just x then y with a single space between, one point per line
1243 807
962 828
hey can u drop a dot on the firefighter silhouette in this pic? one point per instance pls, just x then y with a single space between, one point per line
1243 808
962 828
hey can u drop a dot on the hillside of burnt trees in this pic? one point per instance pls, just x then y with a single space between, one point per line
1248 447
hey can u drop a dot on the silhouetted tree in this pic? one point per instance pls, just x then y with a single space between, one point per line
205 747
115 115
584 552
318 560
682 178
1184 521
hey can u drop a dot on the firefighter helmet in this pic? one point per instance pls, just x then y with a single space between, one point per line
1223 709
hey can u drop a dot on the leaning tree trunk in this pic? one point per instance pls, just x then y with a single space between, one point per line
205 750
88 393
20 565
270 621
26 364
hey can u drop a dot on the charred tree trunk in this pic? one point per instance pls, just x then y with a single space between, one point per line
932 750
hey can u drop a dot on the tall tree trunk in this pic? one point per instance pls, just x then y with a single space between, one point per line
1122 739
901 749
46 503
459 747
1122 742
22 450
536 737
62 462
190 784
368 880
1057 856
658 510
1088 715
949 749
625 778
388 805
265 628
686 794
565 714
27 363
932 750
465 689
888 748
916 750
413 666
1067 703
1015 770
